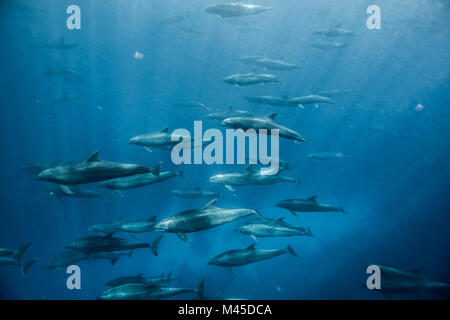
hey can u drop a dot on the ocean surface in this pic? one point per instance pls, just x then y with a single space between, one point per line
393 130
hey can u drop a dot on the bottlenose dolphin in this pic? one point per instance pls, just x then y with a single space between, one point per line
14 257
328 45
307 205
334 32
195 193
268 122
161 279
274 101
193 104
74 192
107 227
249 255
139 180
59 44
249 176
143 291
300 101
272 228
229 113
108 243
162 140
69 257
246 79
325 155
136 226
235 9
195 220
91 170
397 281
273 64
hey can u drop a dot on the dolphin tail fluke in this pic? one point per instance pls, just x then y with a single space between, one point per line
26 266
341 209
148 149
200 289
293 213
154 245
291 251
180 173
22 250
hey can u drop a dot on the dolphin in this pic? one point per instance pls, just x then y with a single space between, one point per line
59 44
108 243
334 92
72 192
273 101
325 155
250 59
272 228
195 220
14 257
59 71
38 167
143 291
138 226
91 170
139 180
334 32
229 113
195 193
235 9
300 101
64 259
274 64
307 205
193 104
246 79
69 257
249 176
396 281
161 279
107 227
328 45
249 255
268 122
162 140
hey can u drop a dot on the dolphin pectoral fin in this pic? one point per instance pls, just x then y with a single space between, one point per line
155 244
230 188
301 106
66 189
148 149
293 213
113 261
231 270
183 236
254 238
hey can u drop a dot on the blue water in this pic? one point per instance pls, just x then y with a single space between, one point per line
393 183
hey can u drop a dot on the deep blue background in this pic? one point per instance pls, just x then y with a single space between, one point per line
394 186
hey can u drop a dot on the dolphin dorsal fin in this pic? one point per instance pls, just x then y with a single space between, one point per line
152 218
272 115
93 157
251 247
416 271
249 168
313 198
165 130
210 204
109 235
280 219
